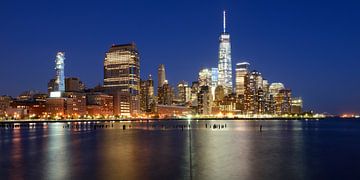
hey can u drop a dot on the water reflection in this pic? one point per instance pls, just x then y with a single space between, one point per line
57 154
162 150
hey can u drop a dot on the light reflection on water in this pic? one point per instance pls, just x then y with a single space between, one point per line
161 150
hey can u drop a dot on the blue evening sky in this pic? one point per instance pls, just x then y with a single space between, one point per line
313 47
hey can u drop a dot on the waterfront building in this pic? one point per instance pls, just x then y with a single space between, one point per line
296 105
122 78
241 78
275 100
224 65
33 104
5 102
98 103
74 84
55 107
167 111
58 86
285 101
147 99
75 104
16 113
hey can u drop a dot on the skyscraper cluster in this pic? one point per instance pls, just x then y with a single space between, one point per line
125 94
214 93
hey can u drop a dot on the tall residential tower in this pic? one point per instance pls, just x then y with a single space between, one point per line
224 66
59 83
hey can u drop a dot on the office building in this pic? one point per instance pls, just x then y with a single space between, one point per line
122 78
224 66
147 98
98 103
74 84
241 78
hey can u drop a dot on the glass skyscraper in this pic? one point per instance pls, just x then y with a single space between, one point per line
224 66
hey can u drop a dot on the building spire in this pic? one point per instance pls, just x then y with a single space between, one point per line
224 20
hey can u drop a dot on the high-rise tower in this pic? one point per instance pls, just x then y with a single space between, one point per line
59 83
224 66
161 75
122 78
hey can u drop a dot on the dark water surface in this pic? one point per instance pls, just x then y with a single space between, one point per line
294 149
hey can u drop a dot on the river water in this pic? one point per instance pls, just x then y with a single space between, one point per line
293 149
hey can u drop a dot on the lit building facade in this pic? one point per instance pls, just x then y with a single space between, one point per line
98 103
205 77
147 99
55 107
122 78
224 66
183 92
35 105
75 104
241 78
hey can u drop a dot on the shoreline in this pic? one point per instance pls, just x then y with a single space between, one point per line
156 119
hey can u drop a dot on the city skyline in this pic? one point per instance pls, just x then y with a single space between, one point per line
269 68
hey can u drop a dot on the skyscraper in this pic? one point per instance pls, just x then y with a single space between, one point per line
59 84
161 75
147 94
183 92
242 73
224 66
122 78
